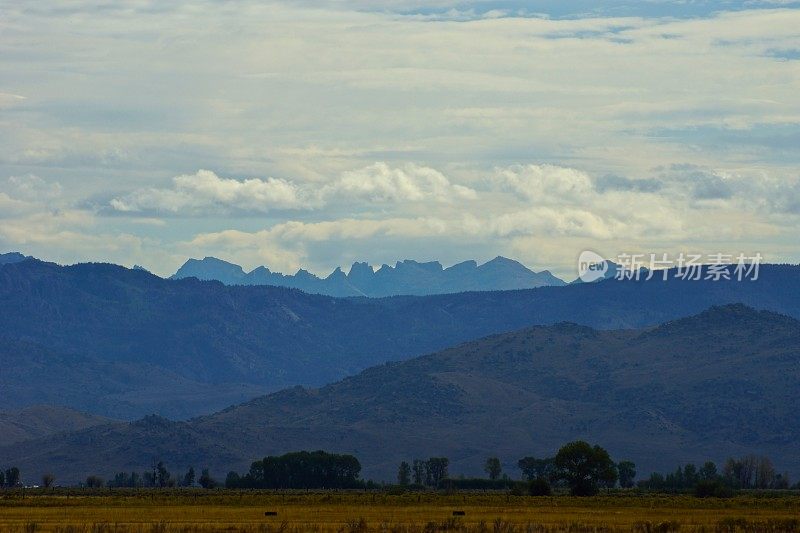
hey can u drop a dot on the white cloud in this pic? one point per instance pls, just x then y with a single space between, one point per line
382 183
8 100
34 188
545 183
205 192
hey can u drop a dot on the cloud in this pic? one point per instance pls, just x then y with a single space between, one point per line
613 182
8 100
205 192
544 183
24 195
410 183
34 188
11 207
699 183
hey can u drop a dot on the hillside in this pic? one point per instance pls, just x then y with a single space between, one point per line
43 420
186 347
405 278
720 383
33 374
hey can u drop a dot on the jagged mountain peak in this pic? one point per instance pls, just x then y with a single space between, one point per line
407 277
305 274
211 268
470 264
500 260
336 274
428 266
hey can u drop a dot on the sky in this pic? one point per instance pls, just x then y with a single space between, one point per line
316 133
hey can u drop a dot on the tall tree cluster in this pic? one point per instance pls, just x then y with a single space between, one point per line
748 472
429 473
300 470
9 477
157 476
582 467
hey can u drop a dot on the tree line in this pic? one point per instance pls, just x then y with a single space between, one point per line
578 466
157 477
749 472
585 469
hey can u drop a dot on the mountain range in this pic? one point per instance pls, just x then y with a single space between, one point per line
405 278
123 343
720 383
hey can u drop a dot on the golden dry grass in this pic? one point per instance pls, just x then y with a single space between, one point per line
196 510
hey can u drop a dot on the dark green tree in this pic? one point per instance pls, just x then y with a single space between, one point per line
584 467
300 470
94 482
712 488
47 480
436 470
690 475
708 471
233 480
539 487
533 468
404 474
656 481
12 477
493 468
188 478
162 477
419 472
121 479
206 481
627 473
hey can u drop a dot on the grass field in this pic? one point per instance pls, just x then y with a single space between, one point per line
197 510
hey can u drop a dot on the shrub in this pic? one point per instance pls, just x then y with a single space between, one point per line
540 487
712 489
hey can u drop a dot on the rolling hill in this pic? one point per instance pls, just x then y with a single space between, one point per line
33 374
42 420
720 383
186 347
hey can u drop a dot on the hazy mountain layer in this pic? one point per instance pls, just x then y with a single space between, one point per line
705 387
124 343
